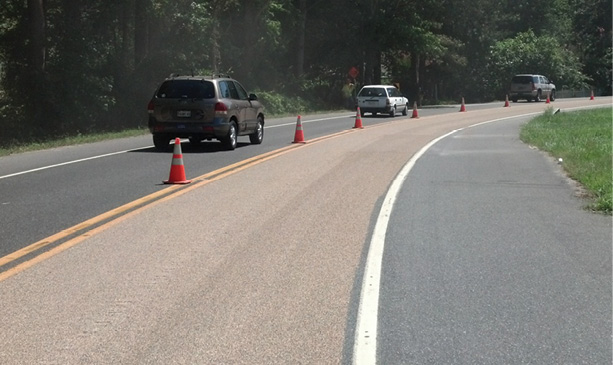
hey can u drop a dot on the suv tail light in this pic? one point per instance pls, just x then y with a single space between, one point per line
221 108
150 107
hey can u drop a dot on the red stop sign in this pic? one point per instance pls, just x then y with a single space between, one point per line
353 72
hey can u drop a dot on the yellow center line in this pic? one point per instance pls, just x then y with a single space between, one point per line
121 213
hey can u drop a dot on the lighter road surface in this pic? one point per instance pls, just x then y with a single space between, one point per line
269 261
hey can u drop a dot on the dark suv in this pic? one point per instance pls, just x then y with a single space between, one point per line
204 108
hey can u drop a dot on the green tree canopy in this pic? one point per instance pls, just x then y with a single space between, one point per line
528 53
73 66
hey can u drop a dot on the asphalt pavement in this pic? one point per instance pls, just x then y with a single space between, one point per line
492 258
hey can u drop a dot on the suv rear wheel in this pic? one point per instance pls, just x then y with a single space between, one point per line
161 142
229 141
537 98
195 140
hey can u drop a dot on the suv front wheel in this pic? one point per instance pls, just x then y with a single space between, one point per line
258 136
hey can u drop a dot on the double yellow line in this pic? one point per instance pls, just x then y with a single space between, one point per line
105 220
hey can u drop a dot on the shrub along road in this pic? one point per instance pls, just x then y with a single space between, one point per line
264 264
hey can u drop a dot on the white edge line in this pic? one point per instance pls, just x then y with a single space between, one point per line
365 345
67 163
310 121
365 340
120 152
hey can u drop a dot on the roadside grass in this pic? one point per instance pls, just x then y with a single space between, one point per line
17 147
583 140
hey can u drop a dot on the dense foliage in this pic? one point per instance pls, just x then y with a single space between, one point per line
74 66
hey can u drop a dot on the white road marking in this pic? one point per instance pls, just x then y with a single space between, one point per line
139 148
365 341
67 163
365 345
309 121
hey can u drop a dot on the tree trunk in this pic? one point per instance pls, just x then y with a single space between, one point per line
124 23
302 14
215 51
372 56
37 33
37 56
141 31
251 32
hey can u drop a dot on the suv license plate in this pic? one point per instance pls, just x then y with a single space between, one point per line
184 113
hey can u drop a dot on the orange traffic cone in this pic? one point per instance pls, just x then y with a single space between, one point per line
177 170
548 101
592 96
299 135
462 107
358 119
506 102
415 115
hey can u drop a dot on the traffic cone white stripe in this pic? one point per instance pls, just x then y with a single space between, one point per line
299 134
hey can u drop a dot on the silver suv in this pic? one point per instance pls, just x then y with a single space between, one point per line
531 87
204 108
382 99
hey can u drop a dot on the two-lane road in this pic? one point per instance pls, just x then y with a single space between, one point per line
44 193
263 263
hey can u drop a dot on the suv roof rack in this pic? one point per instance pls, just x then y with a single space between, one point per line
213 76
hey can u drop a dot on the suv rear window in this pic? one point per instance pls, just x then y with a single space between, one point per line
190 89
373 91
522 79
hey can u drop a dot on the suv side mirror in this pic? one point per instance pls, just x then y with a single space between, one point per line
253 97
